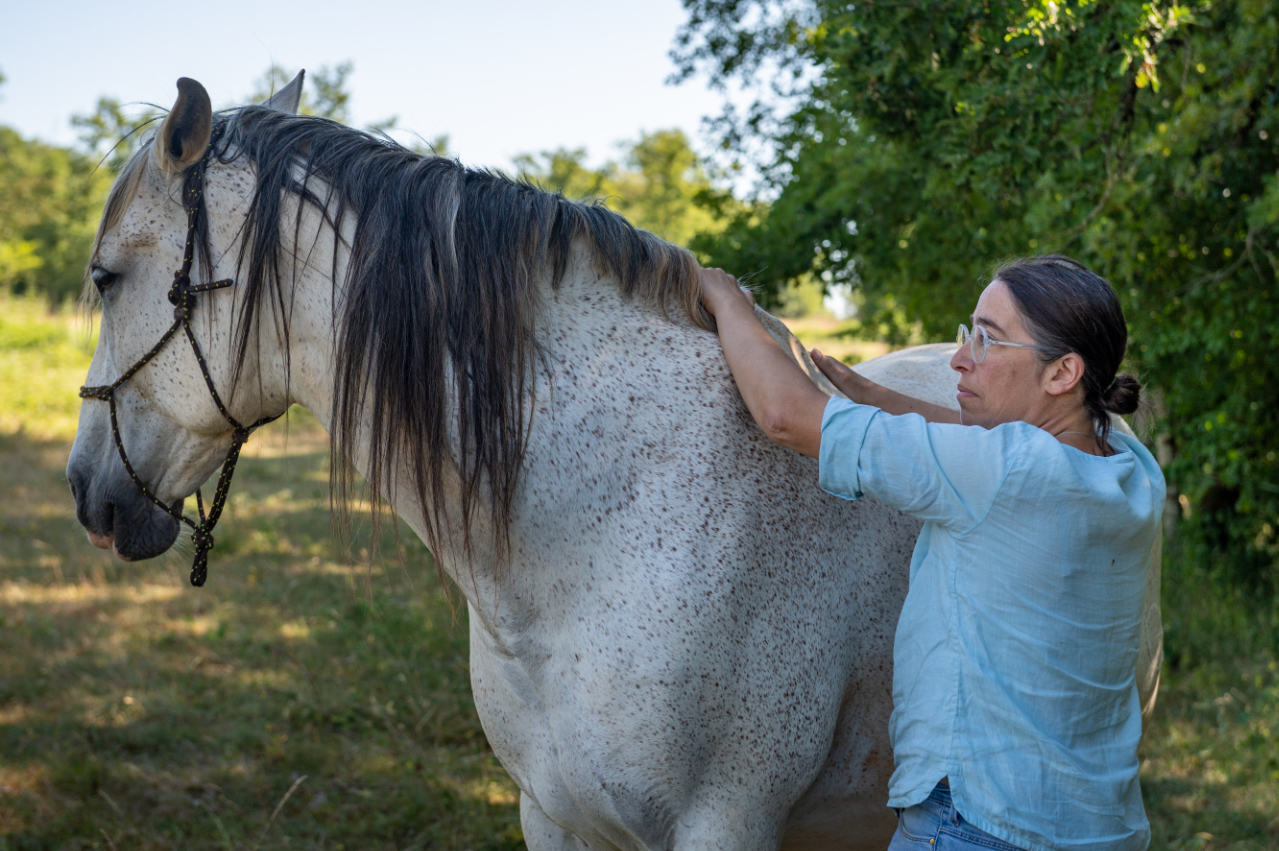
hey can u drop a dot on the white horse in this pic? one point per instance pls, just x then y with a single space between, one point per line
677 640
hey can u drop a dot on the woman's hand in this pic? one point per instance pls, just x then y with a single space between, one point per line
856 387
784 403
720 291
863 391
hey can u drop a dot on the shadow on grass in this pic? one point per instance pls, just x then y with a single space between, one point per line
138 712
1186 814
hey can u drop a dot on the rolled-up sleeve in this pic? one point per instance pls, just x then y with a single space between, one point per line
844 425
948 474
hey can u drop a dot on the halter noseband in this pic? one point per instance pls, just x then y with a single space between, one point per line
182 295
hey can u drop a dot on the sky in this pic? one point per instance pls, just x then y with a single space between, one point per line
500 78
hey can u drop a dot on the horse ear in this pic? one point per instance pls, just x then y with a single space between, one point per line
186 130
288 98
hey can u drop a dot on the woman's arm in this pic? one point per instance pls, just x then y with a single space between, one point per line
902 461
863 391
786 405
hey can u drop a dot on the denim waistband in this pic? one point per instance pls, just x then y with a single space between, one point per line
940 794
936 818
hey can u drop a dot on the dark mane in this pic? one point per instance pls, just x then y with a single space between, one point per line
435 336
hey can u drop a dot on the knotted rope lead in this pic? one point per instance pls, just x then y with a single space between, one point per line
182 294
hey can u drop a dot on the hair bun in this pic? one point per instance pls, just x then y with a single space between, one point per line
1123 395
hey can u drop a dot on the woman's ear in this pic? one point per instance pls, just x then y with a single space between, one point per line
1063 375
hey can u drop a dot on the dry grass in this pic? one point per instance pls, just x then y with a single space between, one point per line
138 712
139 709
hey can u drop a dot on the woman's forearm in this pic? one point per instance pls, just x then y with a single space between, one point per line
785 404
866 392
892 402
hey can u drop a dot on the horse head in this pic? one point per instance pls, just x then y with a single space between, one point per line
154 437
418 284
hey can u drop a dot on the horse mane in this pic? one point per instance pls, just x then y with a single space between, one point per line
435 331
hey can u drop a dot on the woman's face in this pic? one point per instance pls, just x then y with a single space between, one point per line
1005 387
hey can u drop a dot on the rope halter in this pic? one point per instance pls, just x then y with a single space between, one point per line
182 294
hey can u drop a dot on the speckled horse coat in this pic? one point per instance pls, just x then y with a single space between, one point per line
695 648
689 645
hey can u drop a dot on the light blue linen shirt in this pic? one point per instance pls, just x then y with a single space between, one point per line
1015 657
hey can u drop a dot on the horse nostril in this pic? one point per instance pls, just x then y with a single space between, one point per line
75 494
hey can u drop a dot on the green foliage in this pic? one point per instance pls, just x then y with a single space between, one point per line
658 184
325 93
111 134
565 170
438 145
919 144
331 96
803 299
1210 761
50 198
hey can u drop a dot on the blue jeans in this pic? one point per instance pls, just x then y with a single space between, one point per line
935 825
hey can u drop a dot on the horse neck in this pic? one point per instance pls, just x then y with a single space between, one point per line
586 331
318 288
317 296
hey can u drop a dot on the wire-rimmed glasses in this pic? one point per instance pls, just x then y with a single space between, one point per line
979 342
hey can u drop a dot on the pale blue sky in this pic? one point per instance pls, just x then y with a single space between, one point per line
501 78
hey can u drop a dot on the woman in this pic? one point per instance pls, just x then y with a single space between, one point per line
1016 716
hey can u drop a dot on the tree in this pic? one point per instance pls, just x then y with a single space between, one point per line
564 170
50 199
913 145
325 93
660 185
112 135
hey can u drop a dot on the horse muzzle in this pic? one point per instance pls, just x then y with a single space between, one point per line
118 517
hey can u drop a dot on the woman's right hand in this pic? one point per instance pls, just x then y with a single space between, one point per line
720 291
856 387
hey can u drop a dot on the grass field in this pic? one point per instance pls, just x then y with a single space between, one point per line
138 712
307 699
830 335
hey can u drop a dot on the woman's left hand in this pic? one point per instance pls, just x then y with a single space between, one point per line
720 291
856 387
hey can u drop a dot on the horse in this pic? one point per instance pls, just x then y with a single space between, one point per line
677 640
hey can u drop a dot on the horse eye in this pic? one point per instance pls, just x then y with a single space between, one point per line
102 278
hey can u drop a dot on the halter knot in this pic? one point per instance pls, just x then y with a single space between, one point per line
103 393
202 538
180 293
183 301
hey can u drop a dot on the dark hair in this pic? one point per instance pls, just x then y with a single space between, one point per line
436 332
1067 308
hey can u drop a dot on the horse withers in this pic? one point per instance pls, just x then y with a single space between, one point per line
677 640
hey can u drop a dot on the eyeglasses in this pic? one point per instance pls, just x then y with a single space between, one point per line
979 342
